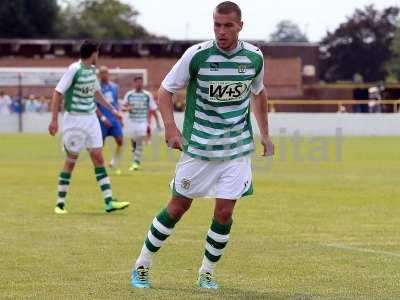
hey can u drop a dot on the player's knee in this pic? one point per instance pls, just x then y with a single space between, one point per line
223 215
176 209
97 159
69 167
70 162
176 212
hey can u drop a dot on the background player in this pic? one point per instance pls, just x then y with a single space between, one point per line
110 125
152 114
80 126
140 104
221 76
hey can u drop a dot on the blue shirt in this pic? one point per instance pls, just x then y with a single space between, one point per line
110 92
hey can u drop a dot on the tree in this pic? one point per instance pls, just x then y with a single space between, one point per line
102 19
361 45
28 19
287 31
394 64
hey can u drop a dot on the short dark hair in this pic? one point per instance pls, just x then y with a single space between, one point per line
227 7
88 47
137 77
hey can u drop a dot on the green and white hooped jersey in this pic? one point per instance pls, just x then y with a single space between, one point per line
79 85
142 102
219 87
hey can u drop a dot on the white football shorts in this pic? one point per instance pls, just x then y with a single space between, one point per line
196 178
137 130
81 131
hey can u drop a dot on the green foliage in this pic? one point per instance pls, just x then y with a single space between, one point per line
99 19
287 31
360 45
102 19
394 64
28 19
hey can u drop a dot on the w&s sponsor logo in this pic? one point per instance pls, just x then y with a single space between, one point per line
227 91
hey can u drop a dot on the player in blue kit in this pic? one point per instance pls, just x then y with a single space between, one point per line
110 126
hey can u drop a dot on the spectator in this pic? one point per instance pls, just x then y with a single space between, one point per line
5 104
16 106
342 109
32 104
374 95
360 94
45 104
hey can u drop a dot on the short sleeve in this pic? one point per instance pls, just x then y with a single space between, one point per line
8 100
66 80
257 86
179 75
97 86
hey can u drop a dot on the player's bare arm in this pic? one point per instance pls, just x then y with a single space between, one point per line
103 118
127 108
261 113
100 99
173 136
55 108
155 114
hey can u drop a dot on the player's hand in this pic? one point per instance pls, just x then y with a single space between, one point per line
269 147
128 108
118 115
53 127
173 137
121 119
105 121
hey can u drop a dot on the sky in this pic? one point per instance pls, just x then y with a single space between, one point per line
192 19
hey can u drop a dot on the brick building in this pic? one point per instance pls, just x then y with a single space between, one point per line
288 66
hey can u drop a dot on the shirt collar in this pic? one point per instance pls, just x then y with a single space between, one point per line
238 47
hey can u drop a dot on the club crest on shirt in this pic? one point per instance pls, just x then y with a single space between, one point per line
242 69
186 183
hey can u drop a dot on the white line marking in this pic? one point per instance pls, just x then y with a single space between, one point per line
350 248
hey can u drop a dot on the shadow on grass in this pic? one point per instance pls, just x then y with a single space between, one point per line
222 293
99 213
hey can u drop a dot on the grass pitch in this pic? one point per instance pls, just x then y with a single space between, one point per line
323 224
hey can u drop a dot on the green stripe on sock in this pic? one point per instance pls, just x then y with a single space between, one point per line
211 257
150 246
105 187
221 228
164 218
65 175
62 194
215 244
157 234
100 170
63 182
101 173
